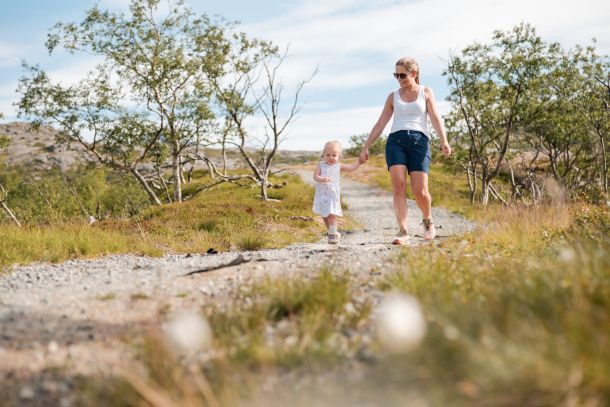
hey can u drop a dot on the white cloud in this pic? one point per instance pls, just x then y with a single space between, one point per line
346 35
7 109
72 72
11 54
8 90
311 130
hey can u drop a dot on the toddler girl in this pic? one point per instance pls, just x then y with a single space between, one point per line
327 201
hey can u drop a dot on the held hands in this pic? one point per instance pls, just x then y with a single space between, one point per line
364 156
446 149
324 180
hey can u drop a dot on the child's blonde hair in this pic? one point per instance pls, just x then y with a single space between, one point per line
332 143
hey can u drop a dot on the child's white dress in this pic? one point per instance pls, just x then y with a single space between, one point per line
327 200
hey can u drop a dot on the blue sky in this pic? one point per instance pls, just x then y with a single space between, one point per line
354 44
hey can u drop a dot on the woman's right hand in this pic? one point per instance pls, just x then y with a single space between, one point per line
364 156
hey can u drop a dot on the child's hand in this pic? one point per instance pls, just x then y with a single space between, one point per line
325 180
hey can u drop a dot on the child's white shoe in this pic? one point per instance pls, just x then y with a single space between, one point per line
334 238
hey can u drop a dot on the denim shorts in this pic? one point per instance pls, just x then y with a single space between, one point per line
410 148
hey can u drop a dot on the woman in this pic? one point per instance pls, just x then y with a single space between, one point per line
408 145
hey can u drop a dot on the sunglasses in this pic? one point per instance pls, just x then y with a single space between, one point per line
400 75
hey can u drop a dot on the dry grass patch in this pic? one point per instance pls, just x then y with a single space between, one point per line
518 313
59 242
272 326
227 217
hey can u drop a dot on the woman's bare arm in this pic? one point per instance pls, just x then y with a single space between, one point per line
437 121
384 118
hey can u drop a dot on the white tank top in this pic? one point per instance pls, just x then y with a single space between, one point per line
410 115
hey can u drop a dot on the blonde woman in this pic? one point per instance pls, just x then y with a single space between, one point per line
408 145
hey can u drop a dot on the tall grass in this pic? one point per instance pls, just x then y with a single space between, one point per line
55 243
290 320
227 217
274 326
519 314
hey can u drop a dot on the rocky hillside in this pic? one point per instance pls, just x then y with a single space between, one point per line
38 149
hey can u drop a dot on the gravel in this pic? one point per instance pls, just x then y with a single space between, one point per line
77 314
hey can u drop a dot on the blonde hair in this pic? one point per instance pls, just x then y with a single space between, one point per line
410 65
331 143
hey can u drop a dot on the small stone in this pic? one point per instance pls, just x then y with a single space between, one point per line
291 341
349 308
53 347
26 393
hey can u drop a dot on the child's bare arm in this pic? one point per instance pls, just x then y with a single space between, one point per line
351 167
317 175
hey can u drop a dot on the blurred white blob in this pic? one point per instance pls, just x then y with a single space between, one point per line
189 332
567 254
400 323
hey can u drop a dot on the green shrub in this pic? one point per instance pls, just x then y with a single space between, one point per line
357 142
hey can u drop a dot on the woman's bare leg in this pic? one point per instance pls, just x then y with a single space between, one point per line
419 186
399 185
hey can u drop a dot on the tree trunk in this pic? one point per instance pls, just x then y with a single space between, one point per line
472 181
176 173
224 157
182 179
151 194
604 164
190 173
265 175
515 193
211 170
484 193
169 198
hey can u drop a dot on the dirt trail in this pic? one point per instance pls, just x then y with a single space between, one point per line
75 316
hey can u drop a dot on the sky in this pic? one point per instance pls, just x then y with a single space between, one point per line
354 44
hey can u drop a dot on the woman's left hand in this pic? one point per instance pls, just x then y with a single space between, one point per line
446 149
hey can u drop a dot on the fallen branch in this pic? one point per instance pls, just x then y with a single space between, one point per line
240 259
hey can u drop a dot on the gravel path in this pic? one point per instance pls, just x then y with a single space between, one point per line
76 315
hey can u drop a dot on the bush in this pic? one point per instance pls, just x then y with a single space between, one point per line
55 196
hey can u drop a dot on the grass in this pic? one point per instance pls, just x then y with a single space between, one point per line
59 242
107 297
275 325
290 321
227 217
519 313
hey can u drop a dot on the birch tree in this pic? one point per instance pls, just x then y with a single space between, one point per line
596 109
252 86
491 88
151 88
